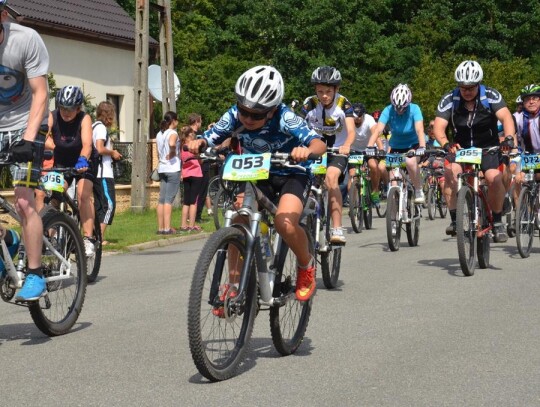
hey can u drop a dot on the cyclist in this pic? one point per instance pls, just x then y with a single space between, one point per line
71 140
407 127
363 123
473 109
262 123
24 63
331 115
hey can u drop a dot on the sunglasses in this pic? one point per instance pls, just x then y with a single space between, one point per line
252 115
467 88
69 108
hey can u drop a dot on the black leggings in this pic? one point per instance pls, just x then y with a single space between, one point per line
192 189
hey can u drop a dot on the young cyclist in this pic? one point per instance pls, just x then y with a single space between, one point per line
331 115
473 109
263 124
407 127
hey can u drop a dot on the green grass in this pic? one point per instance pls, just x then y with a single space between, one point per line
132 228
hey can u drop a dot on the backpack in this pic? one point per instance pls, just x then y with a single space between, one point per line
99 157
456 97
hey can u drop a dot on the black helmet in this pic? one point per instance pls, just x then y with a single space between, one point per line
326 75
69 96
530 90
359 109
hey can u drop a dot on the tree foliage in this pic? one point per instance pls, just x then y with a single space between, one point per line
375 44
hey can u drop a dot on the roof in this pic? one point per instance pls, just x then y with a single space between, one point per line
103 19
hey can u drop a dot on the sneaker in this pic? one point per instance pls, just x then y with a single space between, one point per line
89 247
375 198
336 236
499 233
210 212
451 229
34 287
305 283
225 291
419 197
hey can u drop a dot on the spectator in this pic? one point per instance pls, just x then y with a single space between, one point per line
169 171
104 191
192 178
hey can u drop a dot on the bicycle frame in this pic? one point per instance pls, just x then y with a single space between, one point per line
398 178
470 178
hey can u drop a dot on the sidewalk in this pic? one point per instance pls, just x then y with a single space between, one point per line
165 242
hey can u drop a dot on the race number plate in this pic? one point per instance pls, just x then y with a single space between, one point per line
395 160
356 159
469 156
53 181
318 166
530 162
247 167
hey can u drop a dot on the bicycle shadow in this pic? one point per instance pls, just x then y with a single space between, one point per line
259 348
321 286
512 251
29 334
450 265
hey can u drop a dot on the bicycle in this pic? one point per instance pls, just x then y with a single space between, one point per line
474 219
319 224
63 262
67 202
221 312
435 200
528 205
401 209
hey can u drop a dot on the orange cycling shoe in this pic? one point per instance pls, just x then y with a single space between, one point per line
305 283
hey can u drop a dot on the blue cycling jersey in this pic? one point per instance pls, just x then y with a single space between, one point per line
284 131
402 125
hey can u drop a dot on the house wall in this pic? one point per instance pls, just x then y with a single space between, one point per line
106 70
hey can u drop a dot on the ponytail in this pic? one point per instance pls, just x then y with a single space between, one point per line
167 120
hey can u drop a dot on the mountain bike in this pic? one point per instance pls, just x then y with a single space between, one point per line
66 201
234 279
401 209
474 219
360 202
63 262
319 224
435 200
528 205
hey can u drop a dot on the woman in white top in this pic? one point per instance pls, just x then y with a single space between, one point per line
169 171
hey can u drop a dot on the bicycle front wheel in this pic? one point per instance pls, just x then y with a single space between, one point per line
381 206
288 323
431 202
355 208
483 242
413 227
57 311
94 262
367 210
441 202
218 334
466 230
525 222
393 223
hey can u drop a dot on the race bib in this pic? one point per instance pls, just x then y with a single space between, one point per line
530 162
469 156
318 166
357 159
53 181
247 167
395 160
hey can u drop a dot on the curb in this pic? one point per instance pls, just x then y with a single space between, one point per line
166 242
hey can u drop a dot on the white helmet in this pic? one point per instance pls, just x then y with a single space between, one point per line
401 96
259 88
469 73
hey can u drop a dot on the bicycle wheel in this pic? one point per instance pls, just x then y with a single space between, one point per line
431 202
213 187
288 323
94 262
367 206
355 210
466 231
441 203
525 221
413 227
381 206
222 202
509 205
483 242
331 258
393 223
57 311
218 335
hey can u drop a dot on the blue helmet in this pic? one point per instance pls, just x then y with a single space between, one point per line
69 96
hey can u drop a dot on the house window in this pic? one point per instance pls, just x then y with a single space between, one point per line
116 100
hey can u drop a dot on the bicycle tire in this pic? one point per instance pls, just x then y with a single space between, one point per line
381 206
465 229
56 312
511 215
483 243
355 209
441 202
431 203
221 204
412 228
525 222
213 187
288 323
331 258
94 266
393 224
216 355
367 207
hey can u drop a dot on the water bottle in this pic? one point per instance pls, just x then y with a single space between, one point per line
13 241
265 240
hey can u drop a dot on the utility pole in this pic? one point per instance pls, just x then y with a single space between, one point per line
168 100
141 110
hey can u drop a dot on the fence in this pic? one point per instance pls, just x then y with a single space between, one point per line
123 167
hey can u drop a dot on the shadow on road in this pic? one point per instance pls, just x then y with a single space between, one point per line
30 334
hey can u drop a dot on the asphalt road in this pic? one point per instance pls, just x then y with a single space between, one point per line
403 329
